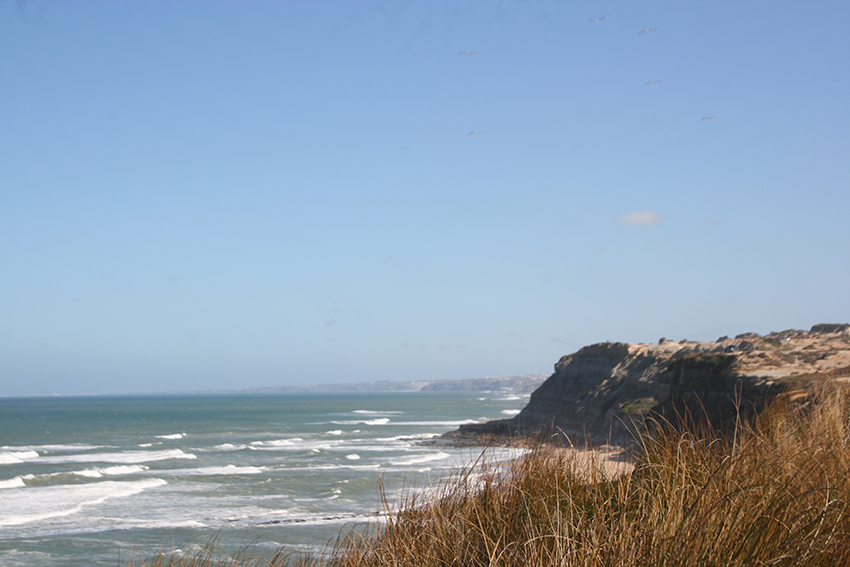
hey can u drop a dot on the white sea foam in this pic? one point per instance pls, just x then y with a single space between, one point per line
295 444
15 457
172 436
511 411
110 471
124 469
16 482
438 456
353 457
509 398
230 447
89 473
376 412
376 421
383 448
334 432
51 448
125 457
23 506
277 442
212 471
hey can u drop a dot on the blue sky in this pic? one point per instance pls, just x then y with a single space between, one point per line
204 195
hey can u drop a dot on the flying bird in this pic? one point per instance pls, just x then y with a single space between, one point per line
707 118
647 30
597 21
475 132
652 82
467 53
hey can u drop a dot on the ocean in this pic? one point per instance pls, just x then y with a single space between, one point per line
98 480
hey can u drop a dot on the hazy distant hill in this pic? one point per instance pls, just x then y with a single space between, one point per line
523 383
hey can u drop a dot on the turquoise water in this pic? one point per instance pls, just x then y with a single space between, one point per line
96 480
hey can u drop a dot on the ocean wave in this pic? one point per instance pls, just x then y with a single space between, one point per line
228 447
110 471
333 467
291 442
16 482
353 457
15 457
159 524
334 432
172 436
126 457
212 471
511 411
96 472
297 444
24 506
377 421
370 412
438 456
51 448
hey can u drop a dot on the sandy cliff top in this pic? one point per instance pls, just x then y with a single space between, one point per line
822 351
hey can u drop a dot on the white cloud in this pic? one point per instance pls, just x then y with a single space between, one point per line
641 218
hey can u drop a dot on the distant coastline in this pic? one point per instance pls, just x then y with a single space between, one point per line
520 383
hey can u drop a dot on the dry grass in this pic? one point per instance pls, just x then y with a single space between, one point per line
775 493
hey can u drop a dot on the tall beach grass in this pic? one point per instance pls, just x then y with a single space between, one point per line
775 491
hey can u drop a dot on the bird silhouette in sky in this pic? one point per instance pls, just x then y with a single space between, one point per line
598 20
647 30
707 118
474 132
652 82
467 53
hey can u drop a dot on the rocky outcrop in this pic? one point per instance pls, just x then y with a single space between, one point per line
604 392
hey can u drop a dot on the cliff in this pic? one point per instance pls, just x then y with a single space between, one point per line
604 391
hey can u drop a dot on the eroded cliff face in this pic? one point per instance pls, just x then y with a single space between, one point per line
604 392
